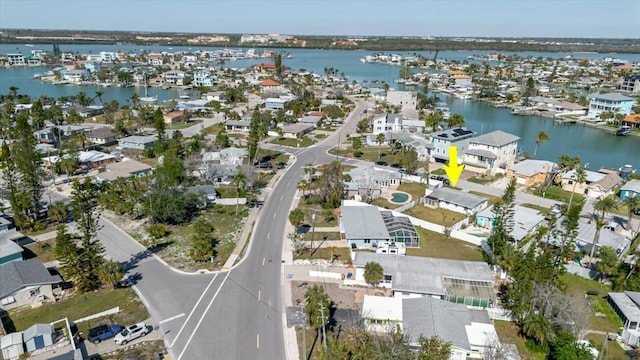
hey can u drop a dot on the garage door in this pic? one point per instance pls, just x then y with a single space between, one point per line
520 180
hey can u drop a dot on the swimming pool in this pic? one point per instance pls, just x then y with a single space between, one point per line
399 197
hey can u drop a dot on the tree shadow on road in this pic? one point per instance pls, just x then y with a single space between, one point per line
133 262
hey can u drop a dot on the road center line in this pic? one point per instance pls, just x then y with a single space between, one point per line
259 295
193 310
258 341
204 314
263 259
171 318
275 214
268 235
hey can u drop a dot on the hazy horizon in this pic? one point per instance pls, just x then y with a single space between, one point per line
416 18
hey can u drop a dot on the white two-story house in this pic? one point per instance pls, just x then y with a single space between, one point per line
175 77
491 153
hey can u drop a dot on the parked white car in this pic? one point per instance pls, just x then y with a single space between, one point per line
131 333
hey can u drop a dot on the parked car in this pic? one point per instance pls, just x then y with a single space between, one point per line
382 163
636 211
130 333
282 165
103 332
264 165
267 158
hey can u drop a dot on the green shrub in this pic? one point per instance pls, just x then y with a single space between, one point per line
157 231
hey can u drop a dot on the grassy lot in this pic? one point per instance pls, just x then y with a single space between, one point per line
319 236
438 172
612 350
340 254
321 219
556 193
543 210
508 334
437 216
436 245
492 199
304 142
183 125
579 285
415 189
213 129
78 306
482 181
43 250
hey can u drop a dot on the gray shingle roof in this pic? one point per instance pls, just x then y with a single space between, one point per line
363 222
457 197
632 185
480 152
495 138
626 304
19 274
8 247
611 97
525 220
531 167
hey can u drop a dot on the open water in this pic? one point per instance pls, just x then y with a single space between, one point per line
596 147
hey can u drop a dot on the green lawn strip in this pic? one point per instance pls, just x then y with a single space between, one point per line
492 199
213 129
183 125
321 221
437 216
480 181
43 250
543 210
384 203
80 305
557 193
508 333
438 172
304 142
612 351
339 254
436 245
319 236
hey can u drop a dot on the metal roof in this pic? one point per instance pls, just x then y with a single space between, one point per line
457 197
495 138
626 305
531 167
363 222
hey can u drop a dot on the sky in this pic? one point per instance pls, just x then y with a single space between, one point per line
472 18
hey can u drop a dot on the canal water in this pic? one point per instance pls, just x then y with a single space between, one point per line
595 147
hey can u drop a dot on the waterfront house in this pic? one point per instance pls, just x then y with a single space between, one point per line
25 283
597 184
491 153
16 59
455 200
264 68
442 140
202 78
76 75
173 117
530 172
136 142
609 102
124 169
102 136
525 221
459 79
627 306
365 227
407 100
631 84
155 59
630 189
175 77
632 120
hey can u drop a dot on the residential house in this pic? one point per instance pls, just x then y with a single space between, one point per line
207 193
76 75
609 102
202 78
136 142
176 77
394 123
530 172
632 120
90 111
12 345
16 59
155 58
525 221
270 86
237 125
311 120
365 226
232 156
407 100
596 185
368 182
459 79
422 146
25 283
264 68
382 314
173 117
9 250
102 136
627 306
444 139
491 153
38 336
124 169
46 135
455 200
189 57
296 131
609 236
631 84
68 130
631 188
470 331
274 103
465 282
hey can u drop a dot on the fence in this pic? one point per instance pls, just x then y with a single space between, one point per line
115 310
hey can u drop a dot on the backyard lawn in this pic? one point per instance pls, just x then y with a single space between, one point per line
322 220
415 189
508 334
579 285
43 250
436 245
437 216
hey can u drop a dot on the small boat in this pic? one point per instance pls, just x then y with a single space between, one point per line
28 45
462 96
623 131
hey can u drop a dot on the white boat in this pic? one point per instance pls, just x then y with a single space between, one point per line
146 98
462 96
28 45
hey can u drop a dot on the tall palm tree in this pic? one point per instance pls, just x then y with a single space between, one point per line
239 181
537 327
455 120
82 99
99 94
540 139
58 211
632 203
579 177
604 205
380 140
596 238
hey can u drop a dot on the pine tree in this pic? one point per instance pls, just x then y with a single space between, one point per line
31 174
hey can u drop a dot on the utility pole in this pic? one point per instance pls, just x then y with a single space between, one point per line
304 329
324 334
313 229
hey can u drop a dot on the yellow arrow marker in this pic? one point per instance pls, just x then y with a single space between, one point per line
453 170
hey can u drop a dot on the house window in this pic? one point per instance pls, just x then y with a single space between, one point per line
8 300
633 325
34 292
367 241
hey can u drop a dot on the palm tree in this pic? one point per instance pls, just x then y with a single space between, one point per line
58 211
632 203
605 205
537 327
596 238
82 99
540 139
380 140
239 181
579 177
13 91
455 120
110 273
373 273
99 94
